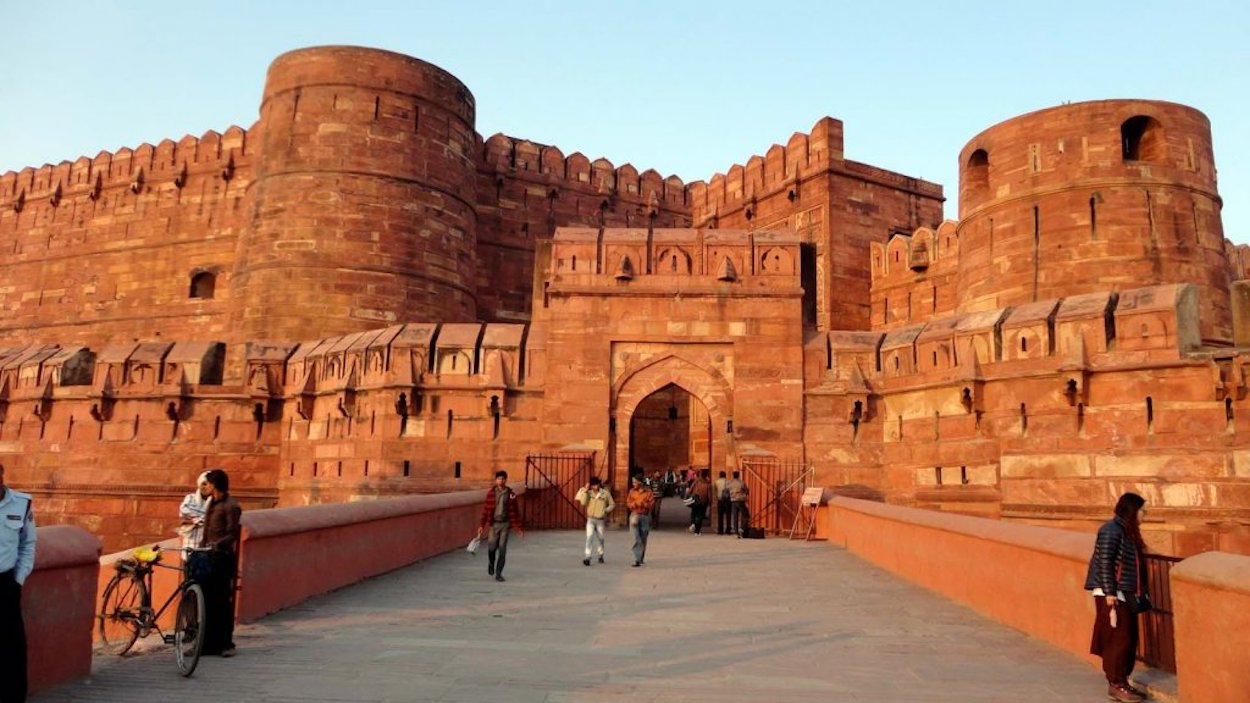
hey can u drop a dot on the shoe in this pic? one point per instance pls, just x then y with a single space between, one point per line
1121 693
690 528
490 569
228 652
637 563
1134 689
586 561
600 558
499 577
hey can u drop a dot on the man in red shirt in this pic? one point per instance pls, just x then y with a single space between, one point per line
499 516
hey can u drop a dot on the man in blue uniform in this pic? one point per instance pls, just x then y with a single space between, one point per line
17 560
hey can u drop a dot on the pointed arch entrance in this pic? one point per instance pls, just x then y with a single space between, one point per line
697 401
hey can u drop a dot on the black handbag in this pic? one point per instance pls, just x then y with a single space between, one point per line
1139 603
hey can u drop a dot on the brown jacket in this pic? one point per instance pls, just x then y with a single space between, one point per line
221 524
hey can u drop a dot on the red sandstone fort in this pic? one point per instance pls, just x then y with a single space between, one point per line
359 296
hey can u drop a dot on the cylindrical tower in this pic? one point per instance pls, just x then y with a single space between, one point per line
1095 196
361 211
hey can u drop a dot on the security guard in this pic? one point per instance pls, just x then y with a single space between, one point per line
17 560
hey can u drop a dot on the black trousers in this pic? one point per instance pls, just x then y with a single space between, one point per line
723 524
12 641
219 603
697 512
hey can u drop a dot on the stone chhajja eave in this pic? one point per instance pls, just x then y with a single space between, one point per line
1011 371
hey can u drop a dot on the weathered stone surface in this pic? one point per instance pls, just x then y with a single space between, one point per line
405 306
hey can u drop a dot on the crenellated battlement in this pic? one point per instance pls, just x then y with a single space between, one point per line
212 154
543 163
782 167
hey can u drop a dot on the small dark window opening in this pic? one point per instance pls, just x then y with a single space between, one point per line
807 278
937 474
978 174
314 468
963 475
1142 139
407 468
1024 420
1150 414
1228 414
457 469
1024 344
203 285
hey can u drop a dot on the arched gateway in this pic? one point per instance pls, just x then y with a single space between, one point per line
704 385
666 365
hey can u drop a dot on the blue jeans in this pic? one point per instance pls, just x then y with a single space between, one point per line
640 527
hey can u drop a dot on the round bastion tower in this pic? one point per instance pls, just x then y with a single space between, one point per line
1096 196
361 211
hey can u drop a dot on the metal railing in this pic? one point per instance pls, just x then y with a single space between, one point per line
1155 646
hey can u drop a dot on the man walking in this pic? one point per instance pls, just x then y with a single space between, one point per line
598 503
499 517
640 501
721 491
17 560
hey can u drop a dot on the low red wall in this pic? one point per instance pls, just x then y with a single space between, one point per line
1211 606
58 605
292 554
164 581
1031 578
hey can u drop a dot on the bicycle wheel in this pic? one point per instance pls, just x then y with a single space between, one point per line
189 629
120 612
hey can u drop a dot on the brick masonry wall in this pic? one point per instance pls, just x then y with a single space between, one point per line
148 220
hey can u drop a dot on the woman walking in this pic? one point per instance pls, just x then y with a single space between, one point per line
1117 581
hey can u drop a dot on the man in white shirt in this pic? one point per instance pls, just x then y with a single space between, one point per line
17 560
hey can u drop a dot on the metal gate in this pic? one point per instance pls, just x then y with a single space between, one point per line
1155 645
774 488
551 482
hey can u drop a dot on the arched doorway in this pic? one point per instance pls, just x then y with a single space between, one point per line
670 410
670 429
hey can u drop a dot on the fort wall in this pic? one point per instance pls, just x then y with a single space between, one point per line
253 300
526 190
838 206
159 226
1042 413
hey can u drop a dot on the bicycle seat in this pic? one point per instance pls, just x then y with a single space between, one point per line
146 555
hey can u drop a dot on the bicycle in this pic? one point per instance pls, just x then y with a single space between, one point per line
126 609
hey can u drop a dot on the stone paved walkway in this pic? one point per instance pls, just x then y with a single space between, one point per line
707 618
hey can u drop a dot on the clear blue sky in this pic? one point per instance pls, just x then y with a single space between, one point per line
686 88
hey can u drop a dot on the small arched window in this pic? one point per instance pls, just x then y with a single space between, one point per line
977 174
1142 139
203 285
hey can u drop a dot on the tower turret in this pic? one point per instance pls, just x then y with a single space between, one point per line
361 211
1093 196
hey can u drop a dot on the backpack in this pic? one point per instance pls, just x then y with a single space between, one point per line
724 491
